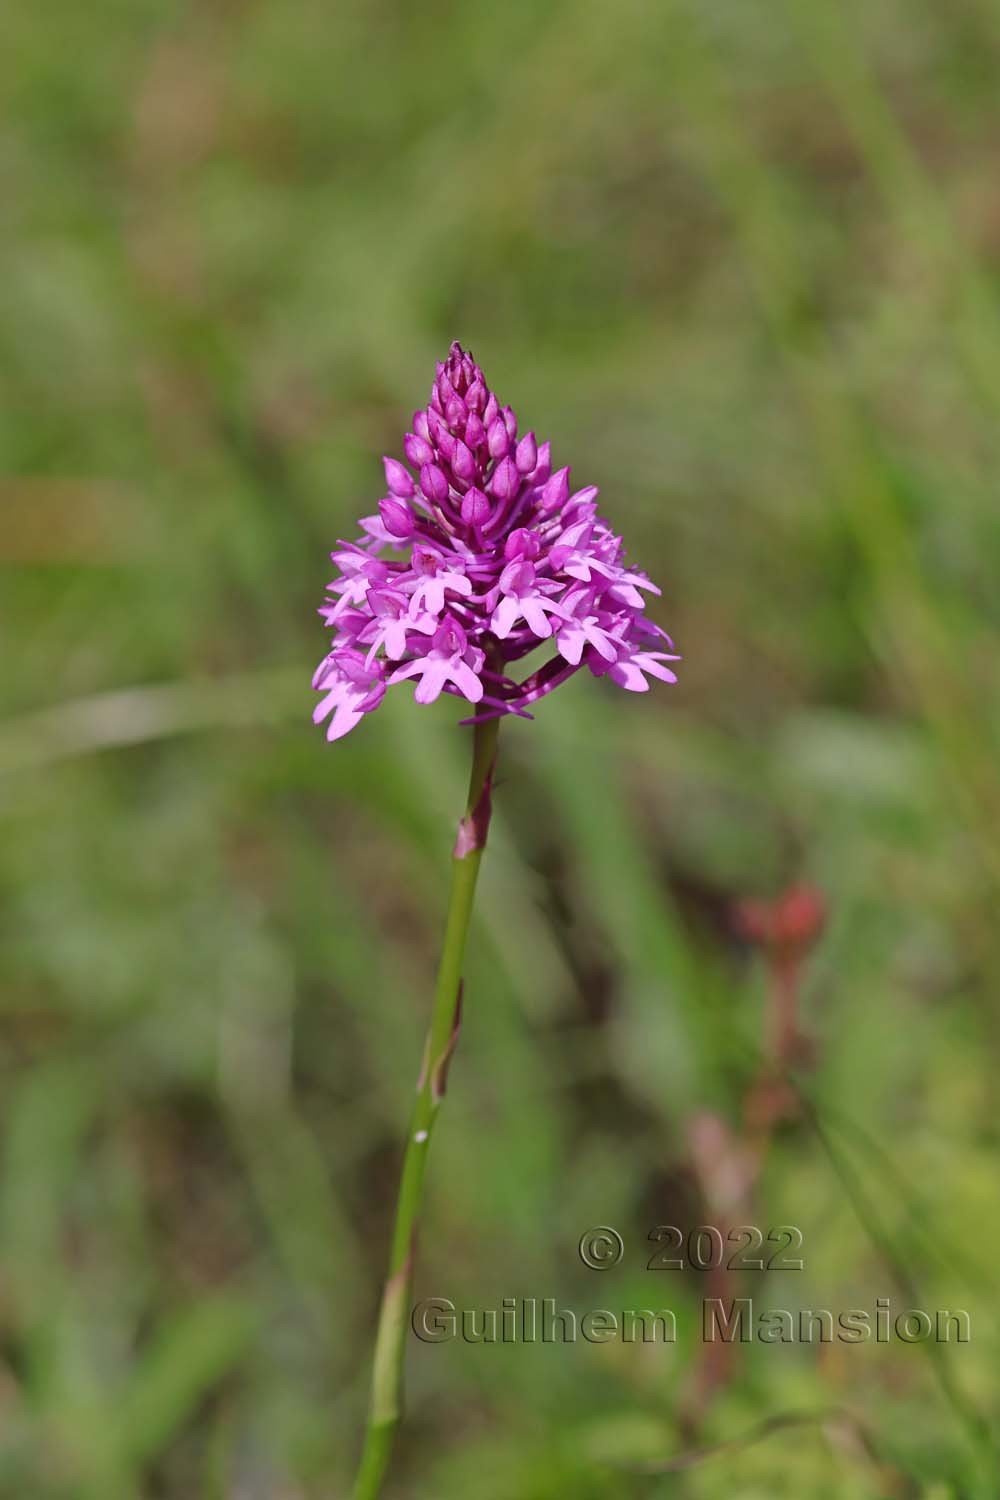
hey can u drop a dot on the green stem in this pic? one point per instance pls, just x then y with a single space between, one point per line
387 1375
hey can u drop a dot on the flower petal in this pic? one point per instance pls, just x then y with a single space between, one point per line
571 641
466 680
504 616
538 621
344 720
433 680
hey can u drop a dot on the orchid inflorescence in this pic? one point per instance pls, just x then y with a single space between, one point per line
494 555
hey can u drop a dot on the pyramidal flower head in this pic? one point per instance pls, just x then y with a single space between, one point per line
479 554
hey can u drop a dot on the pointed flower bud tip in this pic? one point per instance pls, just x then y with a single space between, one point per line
463 464
526 453
506 480
475 432
497 439
397 518
555 492
398 479
434 484
476 508
418 450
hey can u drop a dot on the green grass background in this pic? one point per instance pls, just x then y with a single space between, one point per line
739 262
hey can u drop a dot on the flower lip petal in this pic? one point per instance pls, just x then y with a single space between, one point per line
345 718
571 641
534 612
432 680
504 617
629 676
465 679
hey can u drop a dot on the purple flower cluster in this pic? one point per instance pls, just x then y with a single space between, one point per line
490 555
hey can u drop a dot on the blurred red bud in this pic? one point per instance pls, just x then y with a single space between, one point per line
789 925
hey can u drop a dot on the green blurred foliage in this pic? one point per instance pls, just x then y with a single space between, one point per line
739 262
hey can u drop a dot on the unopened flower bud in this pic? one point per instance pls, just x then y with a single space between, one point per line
526 453
397 478
397 518
418 450
583 500
521 544
506 480
497 440
555 493
790 925
444 390
434 484
476 508
463 465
